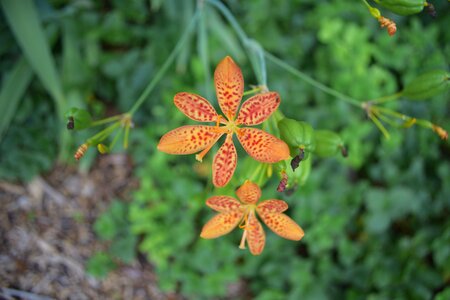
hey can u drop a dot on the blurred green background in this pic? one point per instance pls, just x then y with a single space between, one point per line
376 223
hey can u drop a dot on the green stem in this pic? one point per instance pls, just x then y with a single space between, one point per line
105 121
166 65
115 139
386 98
380 126
99 137
252 91
312 81
250 45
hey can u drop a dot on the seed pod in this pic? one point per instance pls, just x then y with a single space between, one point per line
78 118
403 7
427 85
328 143
298 135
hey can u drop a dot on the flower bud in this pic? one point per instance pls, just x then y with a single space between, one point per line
298 135
78 118
103 149
427 85
328 143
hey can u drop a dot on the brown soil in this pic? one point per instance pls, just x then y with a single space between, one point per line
46 236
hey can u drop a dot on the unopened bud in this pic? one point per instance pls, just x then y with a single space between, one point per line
81 151
441 132
427 85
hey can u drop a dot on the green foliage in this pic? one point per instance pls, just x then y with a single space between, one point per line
376 223
100 265
113 226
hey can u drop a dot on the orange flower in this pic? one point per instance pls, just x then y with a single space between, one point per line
257 143
231 212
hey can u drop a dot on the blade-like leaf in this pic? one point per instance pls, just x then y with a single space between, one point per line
24 21
13 88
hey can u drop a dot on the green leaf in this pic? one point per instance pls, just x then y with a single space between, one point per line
100 265
12 91
24 21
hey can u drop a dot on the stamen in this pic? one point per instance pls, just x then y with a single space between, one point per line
200 156
244 222
244 237
218 121
244 225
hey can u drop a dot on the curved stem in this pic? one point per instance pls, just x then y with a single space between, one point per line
166 64
312 81
250 45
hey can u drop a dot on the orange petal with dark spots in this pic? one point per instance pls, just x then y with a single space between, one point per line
256 237
249 192
221 224
224 163
195 107
282 225
223 203
229 86
262 146
188 139
258 108
271 206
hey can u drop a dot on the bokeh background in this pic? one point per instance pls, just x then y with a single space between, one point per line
126 225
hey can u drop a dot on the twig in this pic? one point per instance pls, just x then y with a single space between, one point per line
11 293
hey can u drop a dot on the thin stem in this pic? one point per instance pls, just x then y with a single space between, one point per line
249 44
386 98
116 138
103 134
127 134
312 81
229 16
106 120
379 125
252 91
166 64
367 4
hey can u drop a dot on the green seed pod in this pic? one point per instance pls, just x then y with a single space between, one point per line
328 143
427 85
403 7
78 118
298 135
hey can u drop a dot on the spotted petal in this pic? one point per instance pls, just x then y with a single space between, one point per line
282 225
258 108
256 237
229 86
224 163
221 224
188 139
249 192
262 146
271 206
195 107
223 203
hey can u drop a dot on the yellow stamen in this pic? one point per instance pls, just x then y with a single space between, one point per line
200 156
218 121
244 221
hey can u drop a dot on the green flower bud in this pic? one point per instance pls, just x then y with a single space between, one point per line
103 149
328 143
298 135
78 118
427 85
403 7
